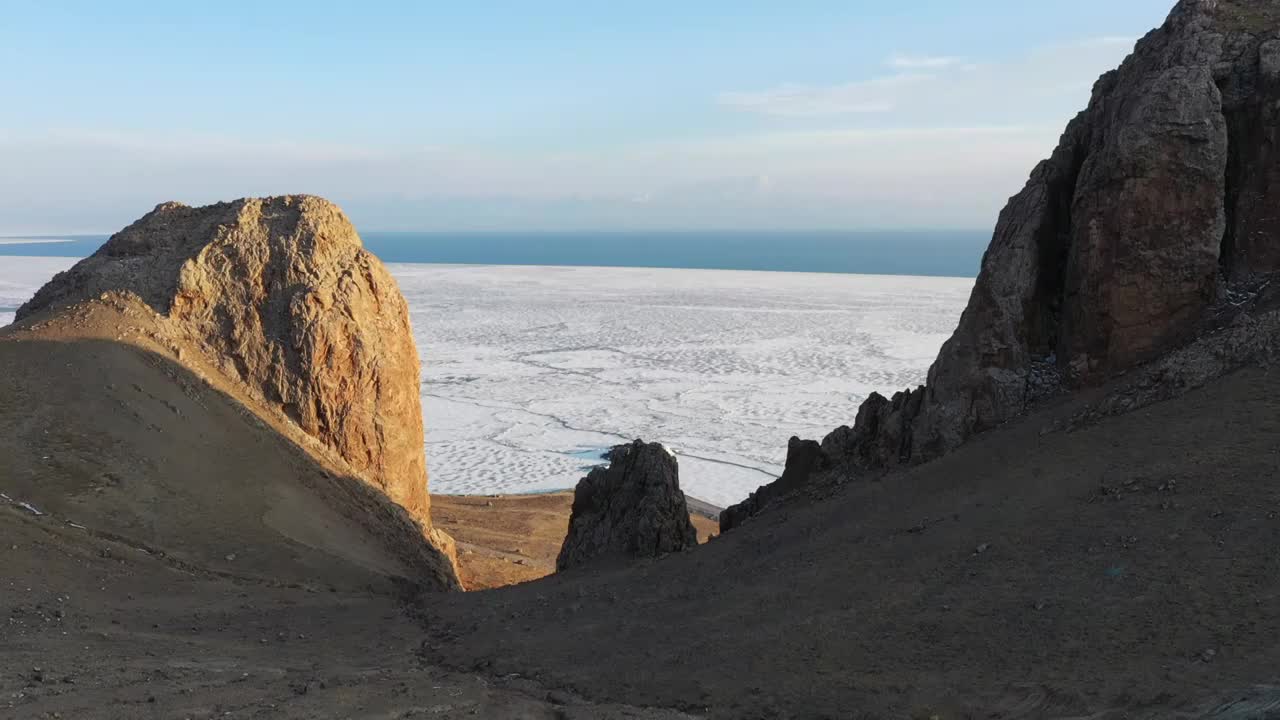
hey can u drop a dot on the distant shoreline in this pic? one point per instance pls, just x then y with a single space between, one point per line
941 253
34 241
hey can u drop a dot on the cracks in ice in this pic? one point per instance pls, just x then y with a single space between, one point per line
542 365
496 439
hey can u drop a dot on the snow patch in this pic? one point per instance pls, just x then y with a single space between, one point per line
19 503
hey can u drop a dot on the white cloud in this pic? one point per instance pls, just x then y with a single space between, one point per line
949 87
922 62
869 96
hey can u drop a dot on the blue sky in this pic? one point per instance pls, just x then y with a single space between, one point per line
549 114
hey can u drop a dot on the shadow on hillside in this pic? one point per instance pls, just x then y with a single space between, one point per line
1127 564
119 433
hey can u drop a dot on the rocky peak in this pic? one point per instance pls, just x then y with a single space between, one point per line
631 508
1156 201
280 294
1152 219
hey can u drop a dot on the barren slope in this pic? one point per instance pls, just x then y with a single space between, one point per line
94 628
116 436
1126 565
167 553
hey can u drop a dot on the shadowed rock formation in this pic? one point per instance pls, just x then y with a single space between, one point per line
629 509
280 295
804 457
1155 203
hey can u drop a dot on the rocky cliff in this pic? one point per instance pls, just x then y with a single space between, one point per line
631 508
1150 225
1154 206
280 295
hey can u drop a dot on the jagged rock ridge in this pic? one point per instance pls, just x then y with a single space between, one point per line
1124 245
1121 242
631 508
804 457
280 293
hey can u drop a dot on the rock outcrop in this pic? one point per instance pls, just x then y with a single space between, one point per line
631 508
1154 205
804 457
280 294
1154 213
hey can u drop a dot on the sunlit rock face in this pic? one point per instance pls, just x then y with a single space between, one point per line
281 295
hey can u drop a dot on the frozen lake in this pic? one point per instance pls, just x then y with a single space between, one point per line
528 372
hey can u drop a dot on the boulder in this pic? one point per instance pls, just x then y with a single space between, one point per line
281 296
630 508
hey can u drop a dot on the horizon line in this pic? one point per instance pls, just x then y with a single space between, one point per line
85 234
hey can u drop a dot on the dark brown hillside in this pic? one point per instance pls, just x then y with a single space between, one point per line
1129 565
167 552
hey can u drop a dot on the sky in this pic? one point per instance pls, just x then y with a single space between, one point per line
546 114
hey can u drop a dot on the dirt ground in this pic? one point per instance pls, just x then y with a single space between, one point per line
509 539
93 628
189 559
1124 570
166 552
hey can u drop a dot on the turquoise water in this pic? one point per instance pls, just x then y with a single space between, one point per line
947 253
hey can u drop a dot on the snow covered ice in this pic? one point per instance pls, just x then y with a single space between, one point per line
529 373
526 369
21 277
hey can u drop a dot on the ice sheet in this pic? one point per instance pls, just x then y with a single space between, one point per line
527 367
20 277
